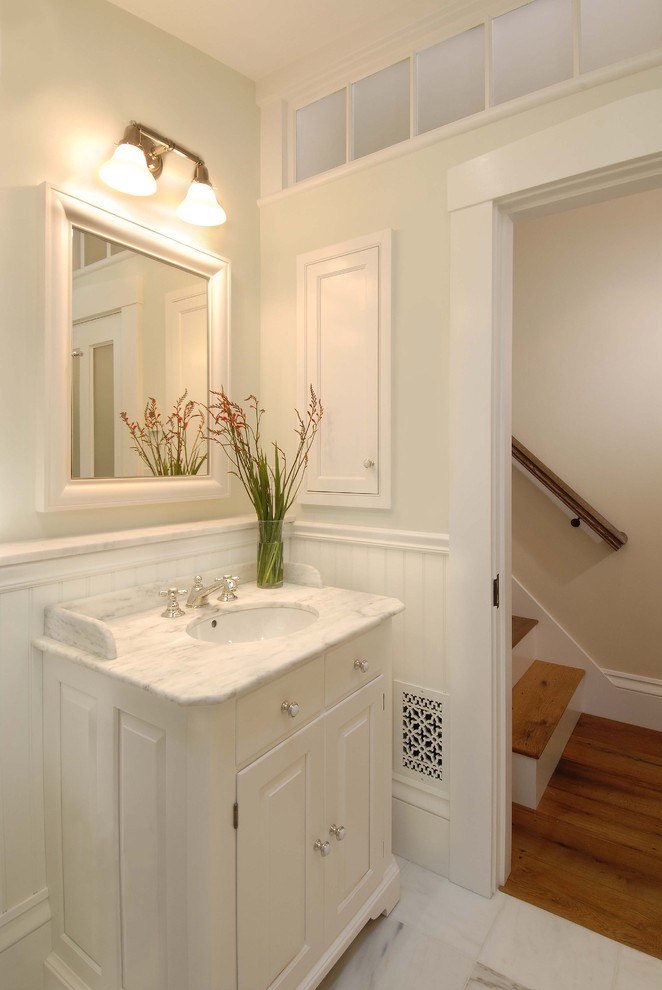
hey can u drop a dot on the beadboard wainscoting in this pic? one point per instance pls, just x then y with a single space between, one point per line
410 566
33 575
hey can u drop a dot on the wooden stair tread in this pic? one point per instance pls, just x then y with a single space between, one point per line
522 626
540 698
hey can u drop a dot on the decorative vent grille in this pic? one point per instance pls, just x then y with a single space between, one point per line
422 735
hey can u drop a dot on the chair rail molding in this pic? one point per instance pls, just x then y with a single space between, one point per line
402 539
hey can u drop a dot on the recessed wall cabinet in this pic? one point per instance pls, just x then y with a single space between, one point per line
232 846
344 302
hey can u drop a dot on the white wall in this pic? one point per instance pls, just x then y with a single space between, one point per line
587 353
73 74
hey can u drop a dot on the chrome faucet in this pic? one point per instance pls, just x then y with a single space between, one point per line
199 595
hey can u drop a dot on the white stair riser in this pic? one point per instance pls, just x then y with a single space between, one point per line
531 777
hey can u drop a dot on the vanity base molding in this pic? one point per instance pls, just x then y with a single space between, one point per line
383 902
58 976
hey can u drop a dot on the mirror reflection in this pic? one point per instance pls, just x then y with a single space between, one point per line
139 343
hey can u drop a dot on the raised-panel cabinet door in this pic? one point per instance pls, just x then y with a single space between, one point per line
280 874
344 294
354 804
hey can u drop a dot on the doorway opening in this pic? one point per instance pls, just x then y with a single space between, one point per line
579 161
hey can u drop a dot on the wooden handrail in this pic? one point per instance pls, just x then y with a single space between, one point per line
577 505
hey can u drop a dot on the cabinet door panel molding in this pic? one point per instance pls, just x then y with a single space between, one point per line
344 319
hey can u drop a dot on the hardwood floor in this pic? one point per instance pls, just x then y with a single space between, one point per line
592 851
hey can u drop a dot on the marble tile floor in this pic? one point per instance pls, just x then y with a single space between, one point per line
442 937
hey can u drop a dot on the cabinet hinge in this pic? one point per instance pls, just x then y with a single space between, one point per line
235 815
383 701
495 592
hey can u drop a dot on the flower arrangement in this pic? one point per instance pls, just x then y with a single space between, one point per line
166 446
271 481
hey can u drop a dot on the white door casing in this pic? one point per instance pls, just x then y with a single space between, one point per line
87 336
612 150
102 312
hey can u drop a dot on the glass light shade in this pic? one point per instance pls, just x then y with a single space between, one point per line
201 206
127 171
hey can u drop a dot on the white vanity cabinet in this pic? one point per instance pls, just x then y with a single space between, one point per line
313 840
239 845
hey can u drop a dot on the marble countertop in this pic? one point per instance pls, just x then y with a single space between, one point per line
124 635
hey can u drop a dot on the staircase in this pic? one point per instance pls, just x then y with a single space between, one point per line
546 707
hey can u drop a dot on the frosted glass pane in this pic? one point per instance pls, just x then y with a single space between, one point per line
451 80
321 135
531 48
381 109
616 29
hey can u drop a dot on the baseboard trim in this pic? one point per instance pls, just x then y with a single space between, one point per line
421 796
633 682
421 837
24 918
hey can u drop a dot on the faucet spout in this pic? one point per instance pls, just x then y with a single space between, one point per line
199 595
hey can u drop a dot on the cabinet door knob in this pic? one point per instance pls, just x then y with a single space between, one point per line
338 831
322 847
290 708
368 462
362 665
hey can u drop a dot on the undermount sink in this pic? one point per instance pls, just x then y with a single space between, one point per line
252 623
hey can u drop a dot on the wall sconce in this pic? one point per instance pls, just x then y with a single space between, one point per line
137 162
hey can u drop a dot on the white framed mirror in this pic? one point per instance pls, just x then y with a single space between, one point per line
130 315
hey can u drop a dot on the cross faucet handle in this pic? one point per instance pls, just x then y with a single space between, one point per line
230 585
172 609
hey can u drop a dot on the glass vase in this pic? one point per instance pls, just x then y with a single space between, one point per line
270 553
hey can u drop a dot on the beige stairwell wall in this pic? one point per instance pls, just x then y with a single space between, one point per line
587 400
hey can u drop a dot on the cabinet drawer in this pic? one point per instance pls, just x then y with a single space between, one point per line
353 664
262 720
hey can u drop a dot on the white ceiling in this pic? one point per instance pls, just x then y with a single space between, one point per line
260 37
